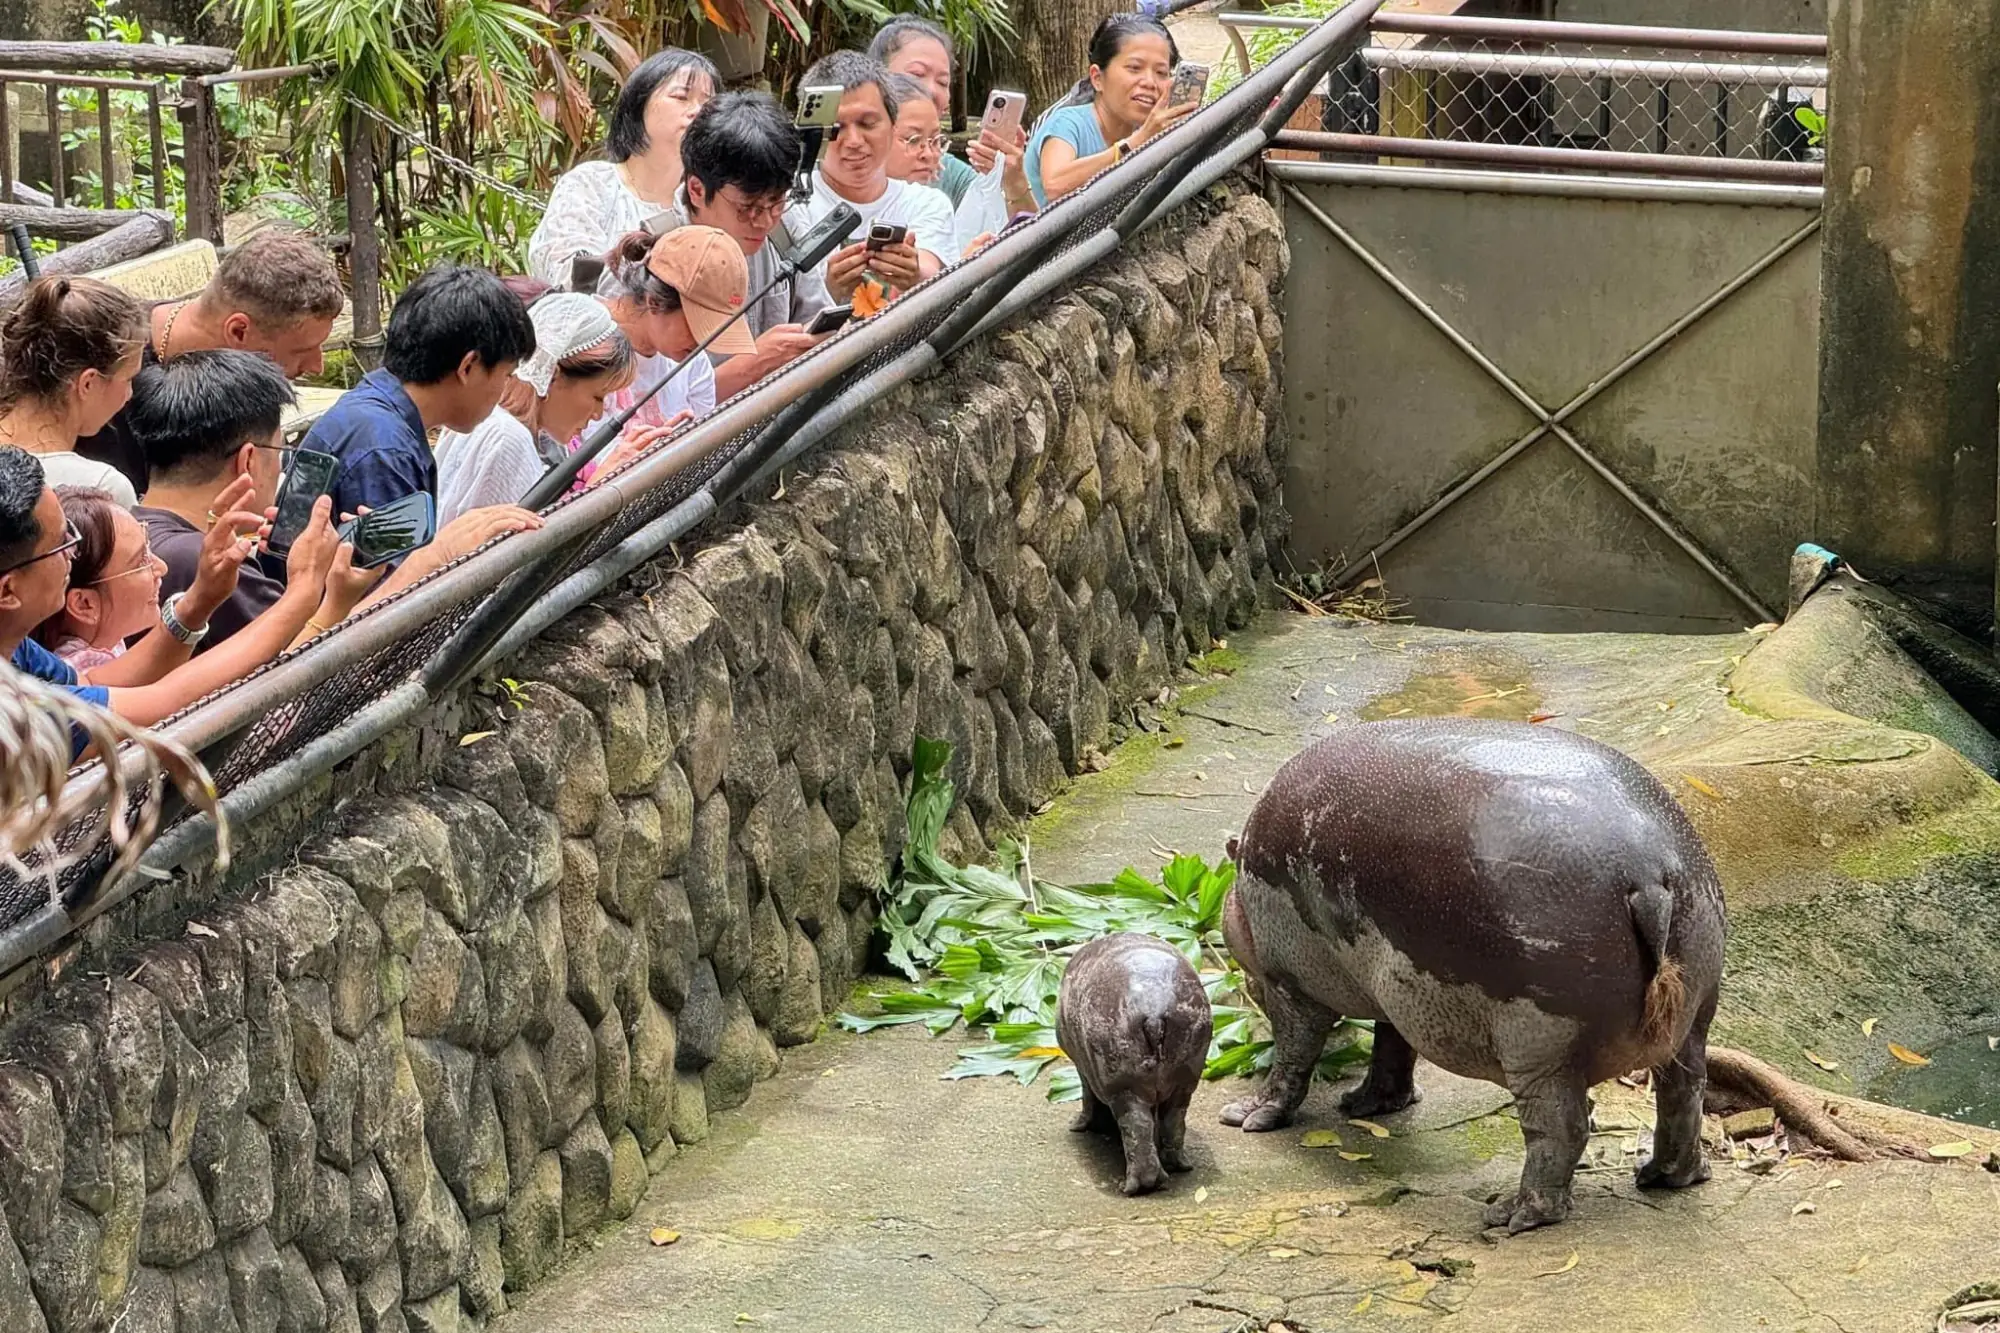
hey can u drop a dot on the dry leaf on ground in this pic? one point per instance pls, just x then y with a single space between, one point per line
1907 1056
1371 1127
1804 1206
1567 1264
1828 1065
662 1236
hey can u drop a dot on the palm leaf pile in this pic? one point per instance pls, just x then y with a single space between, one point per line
985 946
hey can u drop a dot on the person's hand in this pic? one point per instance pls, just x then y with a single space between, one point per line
476 527
979 242
780 343
311 556
992 146
844 270
223 552
634 443
896 265
1162 119
345 586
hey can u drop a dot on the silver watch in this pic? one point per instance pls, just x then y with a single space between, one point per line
172 622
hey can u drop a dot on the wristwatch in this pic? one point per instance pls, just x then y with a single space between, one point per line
173 625
1121 150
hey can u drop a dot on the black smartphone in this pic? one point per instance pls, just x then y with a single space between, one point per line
885 234
309 477
829 319
393 531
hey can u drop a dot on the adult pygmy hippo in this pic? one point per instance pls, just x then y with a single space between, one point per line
1513 902
1133 1017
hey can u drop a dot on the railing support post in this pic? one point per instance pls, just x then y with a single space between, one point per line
202 153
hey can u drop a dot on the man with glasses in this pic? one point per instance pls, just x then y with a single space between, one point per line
738 157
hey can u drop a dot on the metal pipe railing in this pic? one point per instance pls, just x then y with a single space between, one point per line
1570 159
1531 31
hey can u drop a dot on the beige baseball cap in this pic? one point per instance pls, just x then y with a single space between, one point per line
708 269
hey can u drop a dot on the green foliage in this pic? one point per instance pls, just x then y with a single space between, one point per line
1813 121
987 945
1266 44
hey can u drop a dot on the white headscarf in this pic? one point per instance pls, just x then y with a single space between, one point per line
565 323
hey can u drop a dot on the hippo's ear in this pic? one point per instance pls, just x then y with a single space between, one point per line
1230 848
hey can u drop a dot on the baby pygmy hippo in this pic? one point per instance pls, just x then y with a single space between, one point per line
1133 1017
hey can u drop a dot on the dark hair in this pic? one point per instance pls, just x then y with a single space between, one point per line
741 139
628 278
1105 44
449 311
851 70
613 356
899 32
626 136
21 487
191 413
63 327
89 511
279 277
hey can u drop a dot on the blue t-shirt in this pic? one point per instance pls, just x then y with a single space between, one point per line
1076 126
378 435
31 659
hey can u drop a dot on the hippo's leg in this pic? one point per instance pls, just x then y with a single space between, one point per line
1299 1029
1138 1131
1677 1158
1555 1120
1090 1113
1173 1132
1391 1084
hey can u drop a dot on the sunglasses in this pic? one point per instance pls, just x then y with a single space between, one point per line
71 540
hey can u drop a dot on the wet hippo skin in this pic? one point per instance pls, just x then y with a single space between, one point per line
1133 1017
1512 902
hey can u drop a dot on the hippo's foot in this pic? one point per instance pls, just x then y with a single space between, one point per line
1527 1210
1257 1114
1391 1084
1658 1172
1143 1182
1090 1114
1367 1100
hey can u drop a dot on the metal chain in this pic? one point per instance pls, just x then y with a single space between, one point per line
485 178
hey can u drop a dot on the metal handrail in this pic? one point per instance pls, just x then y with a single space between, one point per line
1013 270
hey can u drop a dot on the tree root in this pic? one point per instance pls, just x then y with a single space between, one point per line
1735 1079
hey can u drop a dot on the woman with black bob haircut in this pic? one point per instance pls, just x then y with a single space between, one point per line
598 202
1116 109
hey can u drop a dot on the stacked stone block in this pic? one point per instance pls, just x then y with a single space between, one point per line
392 1081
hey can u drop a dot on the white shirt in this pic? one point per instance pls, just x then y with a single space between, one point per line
983 209
590 207
496 464
925 210
73 469
693 390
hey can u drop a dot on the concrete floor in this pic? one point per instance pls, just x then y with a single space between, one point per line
857 1192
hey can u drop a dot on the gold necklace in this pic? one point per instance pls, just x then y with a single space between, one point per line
167 334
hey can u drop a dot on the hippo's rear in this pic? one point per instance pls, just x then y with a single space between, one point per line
1513 902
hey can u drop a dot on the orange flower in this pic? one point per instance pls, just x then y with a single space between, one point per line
871 298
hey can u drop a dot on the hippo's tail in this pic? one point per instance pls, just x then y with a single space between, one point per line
1652 910
1156 1043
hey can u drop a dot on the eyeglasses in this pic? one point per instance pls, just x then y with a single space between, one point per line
148 562
766 210
918 143
71 540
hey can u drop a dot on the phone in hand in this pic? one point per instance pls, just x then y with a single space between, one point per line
829 319
1190 83
885 234
310 476
393 531
819 107
1004 111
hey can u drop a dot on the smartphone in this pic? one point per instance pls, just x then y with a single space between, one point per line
393 531
1003 112
829 319
309 477
661 223
885 234
1190 83
819 107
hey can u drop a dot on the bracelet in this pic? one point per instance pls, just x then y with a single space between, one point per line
173 625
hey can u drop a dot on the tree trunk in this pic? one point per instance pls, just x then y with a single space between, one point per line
1051 49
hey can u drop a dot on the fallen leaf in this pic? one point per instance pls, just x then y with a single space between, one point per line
1868 1026
1201 1195
1907 1056
1835 1184
1567 1264
1371 1127
1041 1052
1319 1138
1174 742
1764 628
1860 1264
1701 786
662 1236
1347 1156
1543 717
1956 1148
1993 1043
1282 1252
1828 1065
1361 1306
1331 718
1804 1206
196 928
474 737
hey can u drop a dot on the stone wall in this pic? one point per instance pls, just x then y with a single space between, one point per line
389 1082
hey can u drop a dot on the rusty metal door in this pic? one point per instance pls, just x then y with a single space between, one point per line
1551 402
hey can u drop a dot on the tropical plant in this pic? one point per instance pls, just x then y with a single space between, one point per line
1266 44
986 947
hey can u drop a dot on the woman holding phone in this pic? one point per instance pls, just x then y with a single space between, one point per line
1119 107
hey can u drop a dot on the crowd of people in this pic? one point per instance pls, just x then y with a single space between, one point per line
144 558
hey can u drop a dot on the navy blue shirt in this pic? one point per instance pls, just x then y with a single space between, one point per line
378 435
31 659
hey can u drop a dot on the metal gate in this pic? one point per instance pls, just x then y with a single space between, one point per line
1551 402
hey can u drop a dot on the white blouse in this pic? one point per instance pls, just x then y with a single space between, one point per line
590 207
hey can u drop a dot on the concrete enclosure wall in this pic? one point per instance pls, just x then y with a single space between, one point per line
493 993
1714 431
